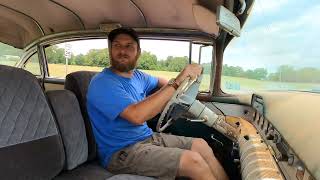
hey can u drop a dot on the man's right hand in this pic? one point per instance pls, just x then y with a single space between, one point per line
148 108
191 70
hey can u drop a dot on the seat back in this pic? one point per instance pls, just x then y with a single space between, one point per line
69 119
78 83
30 146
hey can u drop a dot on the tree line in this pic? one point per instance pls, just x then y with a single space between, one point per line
100 58
149 61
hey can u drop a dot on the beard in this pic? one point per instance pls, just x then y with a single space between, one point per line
123 65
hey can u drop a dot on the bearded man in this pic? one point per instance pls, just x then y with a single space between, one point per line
119 105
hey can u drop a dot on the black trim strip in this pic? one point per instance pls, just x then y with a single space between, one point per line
144 17
76 15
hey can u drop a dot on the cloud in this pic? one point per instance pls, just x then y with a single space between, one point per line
287 39
267 6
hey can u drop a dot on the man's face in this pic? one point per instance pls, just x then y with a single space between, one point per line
124 53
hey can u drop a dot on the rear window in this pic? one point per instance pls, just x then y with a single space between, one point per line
9 55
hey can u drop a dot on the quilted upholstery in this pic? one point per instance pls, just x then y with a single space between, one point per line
78 83
24 112
68 115
30 146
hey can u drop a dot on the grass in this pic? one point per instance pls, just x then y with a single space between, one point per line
250 85
59 71
228 84
7 62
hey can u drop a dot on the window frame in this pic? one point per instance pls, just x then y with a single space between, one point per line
191 43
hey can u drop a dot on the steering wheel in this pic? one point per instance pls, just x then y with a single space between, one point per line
185 95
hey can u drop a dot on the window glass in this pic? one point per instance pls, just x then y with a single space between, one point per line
161 58
277 50
33 65
9 55
89 55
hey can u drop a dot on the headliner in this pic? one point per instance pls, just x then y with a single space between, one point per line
23 22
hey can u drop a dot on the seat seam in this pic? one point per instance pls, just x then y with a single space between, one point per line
24 131
14 96
16 121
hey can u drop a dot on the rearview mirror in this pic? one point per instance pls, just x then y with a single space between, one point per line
228 21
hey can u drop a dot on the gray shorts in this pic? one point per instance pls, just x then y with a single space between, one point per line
158 156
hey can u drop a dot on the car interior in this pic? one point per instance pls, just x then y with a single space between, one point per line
45 131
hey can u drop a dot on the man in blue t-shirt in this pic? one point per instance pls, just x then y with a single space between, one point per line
118 107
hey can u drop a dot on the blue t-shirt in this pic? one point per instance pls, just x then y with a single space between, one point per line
108 95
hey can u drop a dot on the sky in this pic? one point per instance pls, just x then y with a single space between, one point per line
278 32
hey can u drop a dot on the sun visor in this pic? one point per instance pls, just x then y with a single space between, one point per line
205 19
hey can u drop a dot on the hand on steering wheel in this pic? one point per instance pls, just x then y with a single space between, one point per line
190 85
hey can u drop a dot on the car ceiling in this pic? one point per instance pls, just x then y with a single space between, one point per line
23 22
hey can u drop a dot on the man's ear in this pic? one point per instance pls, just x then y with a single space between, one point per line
139 52
109 47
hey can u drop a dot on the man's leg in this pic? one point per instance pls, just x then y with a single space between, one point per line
196 145
194 166
201 146
165 163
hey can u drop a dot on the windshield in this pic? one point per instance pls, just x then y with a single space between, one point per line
160 58
278 49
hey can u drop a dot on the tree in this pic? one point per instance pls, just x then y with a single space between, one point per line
147 61
176 64
260 73
55 55
287 73
97 57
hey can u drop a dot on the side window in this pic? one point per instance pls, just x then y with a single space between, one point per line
33 65
205 60
165 59
88 55
9 55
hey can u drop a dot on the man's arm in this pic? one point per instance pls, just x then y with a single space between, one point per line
162 82
148 108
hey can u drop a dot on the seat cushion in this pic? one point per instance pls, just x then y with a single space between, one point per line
129 177
68 115
87 171
30 146
93 171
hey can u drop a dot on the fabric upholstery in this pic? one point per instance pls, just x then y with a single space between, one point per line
129 177
88 171
30 147
78 83
68 115
93 171
25 114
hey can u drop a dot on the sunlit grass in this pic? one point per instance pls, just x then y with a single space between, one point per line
228 84
240 84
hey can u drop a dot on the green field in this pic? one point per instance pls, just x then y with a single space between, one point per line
229 84
6 62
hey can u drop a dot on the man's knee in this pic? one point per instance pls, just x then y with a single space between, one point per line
193 162
199 143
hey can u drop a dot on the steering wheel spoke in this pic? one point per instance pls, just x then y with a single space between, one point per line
178 98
